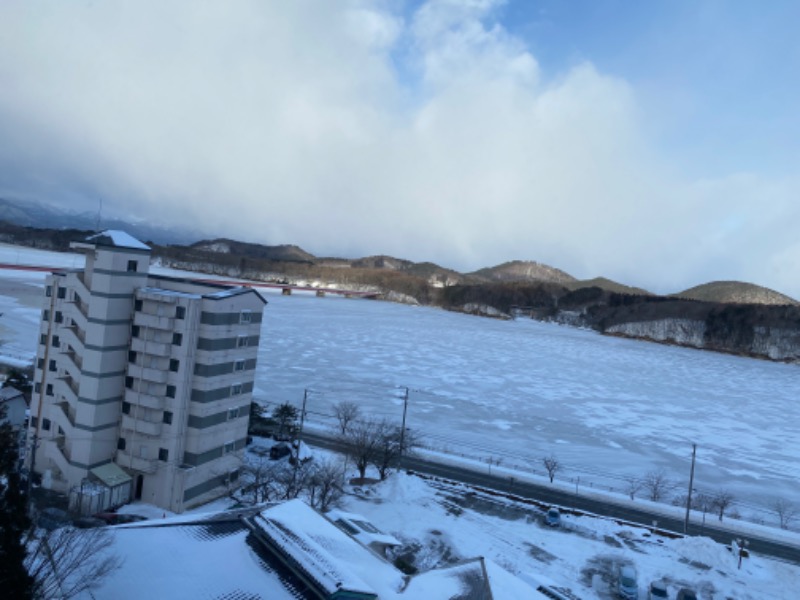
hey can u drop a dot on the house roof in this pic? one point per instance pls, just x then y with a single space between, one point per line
111 475
9 393
117 239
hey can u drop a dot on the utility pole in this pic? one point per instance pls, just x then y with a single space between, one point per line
689 495
403 431
299 439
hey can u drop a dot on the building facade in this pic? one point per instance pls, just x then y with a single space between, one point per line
152 374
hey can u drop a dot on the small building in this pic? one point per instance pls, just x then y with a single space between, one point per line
15 406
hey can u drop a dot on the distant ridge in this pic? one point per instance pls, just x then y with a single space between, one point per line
285 252
523 271
735 292
608 285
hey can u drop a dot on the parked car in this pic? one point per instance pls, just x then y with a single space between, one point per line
686 594
658 590
279 451
553 517
627 586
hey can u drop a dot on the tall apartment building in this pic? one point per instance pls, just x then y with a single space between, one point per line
143 383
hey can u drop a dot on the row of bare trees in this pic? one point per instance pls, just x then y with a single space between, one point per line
657 485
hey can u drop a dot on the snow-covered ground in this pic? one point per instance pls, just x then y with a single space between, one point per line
516 391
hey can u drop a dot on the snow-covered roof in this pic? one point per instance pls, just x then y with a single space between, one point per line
328 556
116 238
360 528
9 393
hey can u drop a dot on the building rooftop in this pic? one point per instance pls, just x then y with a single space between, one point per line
117 239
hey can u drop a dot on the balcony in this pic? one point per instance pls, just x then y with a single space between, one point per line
144 400
60 455
66 388
73 337
154 321
150 347
148 374
141 426
65 416
136 463
73 361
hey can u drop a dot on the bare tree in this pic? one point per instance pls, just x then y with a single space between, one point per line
324 488
260 480
633 485
656 484
552 466
721 502
67 562
346 412
786 511
363 440
392 445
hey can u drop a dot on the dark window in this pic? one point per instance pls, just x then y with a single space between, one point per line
53 365
174 365
49 389
135 331
132 356
229 447
37 387
180 312
177 339
46 424
56 342
242 341
233 413
245 316
170 391
43 338
239 365
40 363
129 382
137 305
126 408
163 454
121 444
48 291
234 476
167 417
236 389
62 293
45 315
59 317
34 421
131 266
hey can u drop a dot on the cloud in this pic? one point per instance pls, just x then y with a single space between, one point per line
352 128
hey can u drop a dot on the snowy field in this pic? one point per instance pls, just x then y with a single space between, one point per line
513 391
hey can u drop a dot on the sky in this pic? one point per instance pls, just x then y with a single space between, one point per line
654 143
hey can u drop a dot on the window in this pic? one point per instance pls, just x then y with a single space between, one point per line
62 293
174 365
129 382
45 315
48 291
40 363
131 266
170 391
34 422
121 444
238 365
137 305
229 447
56 342
233 413
236 389
177 339
37 387
43 338
245 316
49 389
163 454
53 365
46 424
132 356
126 408
180 312
243 341
167 417
135 331
59 317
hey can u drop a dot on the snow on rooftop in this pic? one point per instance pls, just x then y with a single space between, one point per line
360 528
115 237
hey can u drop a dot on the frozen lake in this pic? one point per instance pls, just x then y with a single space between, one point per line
606 407
519 390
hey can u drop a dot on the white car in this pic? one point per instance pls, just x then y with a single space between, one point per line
658 590
627 586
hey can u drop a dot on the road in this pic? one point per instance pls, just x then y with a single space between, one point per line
545 495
